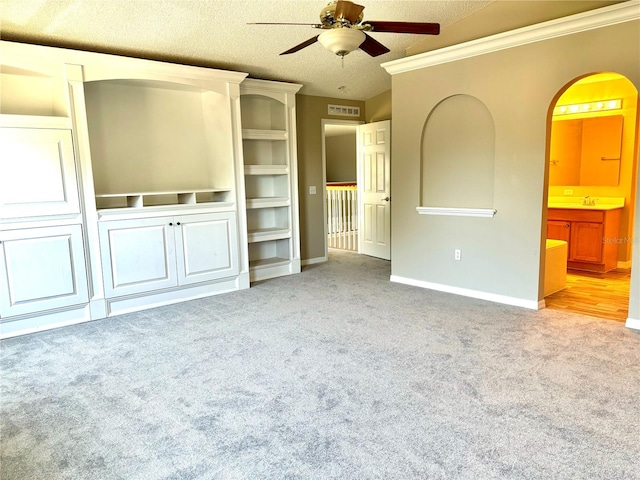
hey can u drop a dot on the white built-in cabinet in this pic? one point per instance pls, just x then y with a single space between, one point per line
122 186
42 256
270 168
146 254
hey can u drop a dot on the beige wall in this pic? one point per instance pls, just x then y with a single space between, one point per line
340 152
310 112
501 255
378 108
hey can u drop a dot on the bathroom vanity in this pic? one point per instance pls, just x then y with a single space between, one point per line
592 233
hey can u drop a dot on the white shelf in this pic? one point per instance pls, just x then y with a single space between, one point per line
161 198
266 170
34 121
268 262
268 202
255 134
270 174
266 234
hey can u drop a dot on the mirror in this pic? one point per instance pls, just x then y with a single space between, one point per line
586 151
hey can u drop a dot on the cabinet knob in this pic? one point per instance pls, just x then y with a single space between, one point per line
170 224
178 223
566 225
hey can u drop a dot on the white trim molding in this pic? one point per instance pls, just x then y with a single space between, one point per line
465 292
633 323
313 261
581 22
457 212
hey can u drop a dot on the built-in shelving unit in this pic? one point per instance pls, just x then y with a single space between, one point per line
121 185
159 143
151 199
42 259
268 140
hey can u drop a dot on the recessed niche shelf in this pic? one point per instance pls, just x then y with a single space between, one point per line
152 199
457 212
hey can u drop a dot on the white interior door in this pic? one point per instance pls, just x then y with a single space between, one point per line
374 189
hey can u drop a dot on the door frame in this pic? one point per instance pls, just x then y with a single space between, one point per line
324 122
635 179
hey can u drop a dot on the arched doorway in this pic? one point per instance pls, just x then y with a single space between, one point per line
592 175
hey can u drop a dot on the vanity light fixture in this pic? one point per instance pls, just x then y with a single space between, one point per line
599 106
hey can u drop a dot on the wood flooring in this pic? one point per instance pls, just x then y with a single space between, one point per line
603 295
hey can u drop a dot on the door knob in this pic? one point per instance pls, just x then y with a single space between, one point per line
386 199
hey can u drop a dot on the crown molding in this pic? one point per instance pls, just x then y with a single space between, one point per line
581 22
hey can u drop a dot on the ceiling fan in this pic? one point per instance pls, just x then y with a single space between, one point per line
346 31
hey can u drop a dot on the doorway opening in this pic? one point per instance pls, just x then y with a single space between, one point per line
592 187
340 189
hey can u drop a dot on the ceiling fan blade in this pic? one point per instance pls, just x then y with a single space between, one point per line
348 11
406 27
299 47
314 25
373 47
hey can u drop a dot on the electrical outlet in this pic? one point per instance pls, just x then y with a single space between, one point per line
457 254
568 191
312 190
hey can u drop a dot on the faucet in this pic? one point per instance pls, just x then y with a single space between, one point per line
587 200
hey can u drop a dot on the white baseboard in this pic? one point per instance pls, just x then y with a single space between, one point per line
465 292
633 323
311 261
44 321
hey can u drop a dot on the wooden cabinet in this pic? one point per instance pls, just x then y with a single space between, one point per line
41 269
146 254
271 184
558 230
591 234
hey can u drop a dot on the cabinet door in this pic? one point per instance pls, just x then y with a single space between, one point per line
137 255
41 269
586 242
37 173
206 247
558 230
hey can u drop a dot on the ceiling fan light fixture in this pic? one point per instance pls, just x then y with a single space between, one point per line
341 41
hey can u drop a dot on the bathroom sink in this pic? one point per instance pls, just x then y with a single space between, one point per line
600 203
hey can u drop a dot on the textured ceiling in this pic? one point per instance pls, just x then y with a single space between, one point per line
216 33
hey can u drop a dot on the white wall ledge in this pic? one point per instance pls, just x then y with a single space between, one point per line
598 18
457 212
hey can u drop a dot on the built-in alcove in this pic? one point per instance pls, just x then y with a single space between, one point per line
458 159
151 137
28 92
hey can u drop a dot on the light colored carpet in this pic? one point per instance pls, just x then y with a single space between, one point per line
331 374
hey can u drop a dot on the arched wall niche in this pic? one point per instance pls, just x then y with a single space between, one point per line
458 155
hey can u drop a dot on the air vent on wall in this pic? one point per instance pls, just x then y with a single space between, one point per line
344 111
